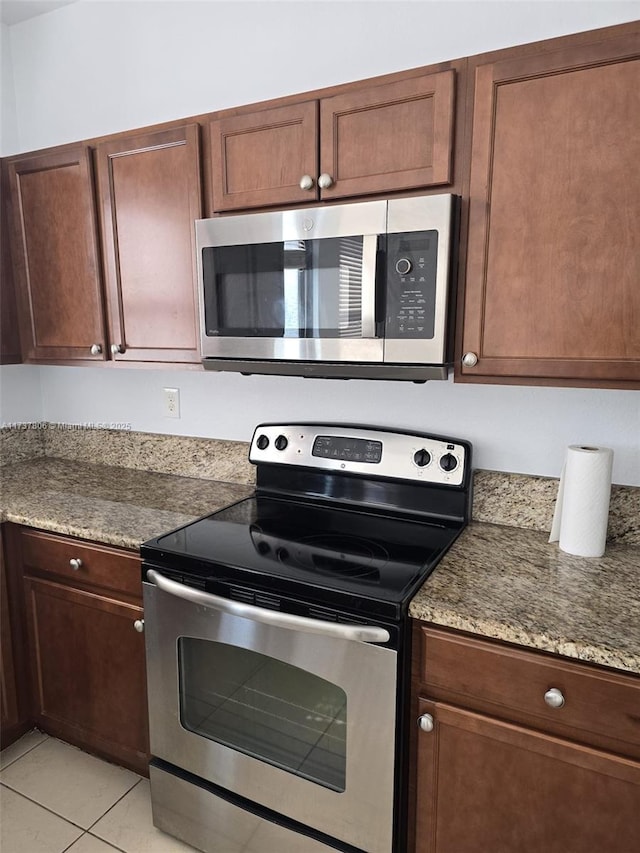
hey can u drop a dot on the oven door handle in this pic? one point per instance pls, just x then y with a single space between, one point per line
358 633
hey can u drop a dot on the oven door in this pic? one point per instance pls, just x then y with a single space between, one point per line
293 714
294 285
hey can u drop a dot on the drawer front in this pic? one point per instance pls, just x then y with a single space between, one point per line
81 563
598 707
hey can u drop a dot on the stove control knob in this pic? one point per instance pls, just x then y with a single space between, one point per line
448 462
281 442
422 458
262 442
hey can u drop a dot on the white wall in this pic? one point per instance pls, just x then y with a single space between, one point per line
512 429
96 67
20 394
8 115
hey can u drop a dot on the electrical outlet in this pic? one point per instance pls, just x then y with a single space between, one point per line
171 402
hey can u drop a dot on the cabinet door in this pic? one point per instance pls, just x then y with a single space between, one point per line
9 710
489 785
55 255
150 196
9 332
397 136
554 216
88 671
259 159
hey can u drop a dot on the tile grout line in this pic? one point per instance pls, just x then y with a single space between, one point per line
97 837
66 819
112 806
46 808
115 847
22 755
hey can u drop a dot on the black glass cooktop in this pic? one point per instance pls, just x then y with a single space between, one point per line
331 554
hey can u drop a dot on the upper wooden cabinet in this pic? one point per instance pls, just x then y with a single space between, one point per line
395 136
553 265
150 195
141 306
10 352
55 256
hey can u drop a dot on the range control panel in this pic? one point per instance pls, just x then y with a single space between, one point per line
367 451
411 284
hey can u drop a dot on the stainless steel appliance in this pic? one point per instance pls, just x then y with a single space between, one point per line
278 642
349 290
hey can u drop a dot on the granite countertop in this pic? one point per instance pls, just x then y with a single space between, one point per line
513 585
496 581
116 506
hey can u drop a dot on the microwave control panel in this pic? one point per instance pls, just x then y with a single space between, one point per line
411 284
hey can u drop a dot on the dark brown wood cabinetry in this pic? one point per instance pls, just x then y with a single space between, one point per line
258 159
540 141
10 352
86 659
554 215
55 256
13 710
385 138
499 769
135 300
150 195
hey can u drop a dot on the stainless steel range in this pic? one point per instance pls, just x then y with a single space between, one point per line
278 642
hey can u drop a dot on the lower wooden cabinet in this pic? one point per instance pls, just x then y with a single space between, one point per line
86 658
493 776
13 712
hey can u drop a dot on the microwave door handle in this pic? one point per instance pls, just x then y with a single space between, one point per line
369 274
358 633
381 285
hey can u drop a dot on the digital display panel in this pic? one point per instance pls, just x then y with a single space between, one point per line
347 449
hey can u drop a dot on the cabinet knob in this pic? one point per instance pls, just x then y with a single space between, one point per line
306 182
554 698
426 722
325 181
117 348
75 563
96 349
469 359
139 625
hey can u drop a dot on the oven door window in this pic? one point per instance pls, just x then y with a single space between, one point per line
293 289
270 710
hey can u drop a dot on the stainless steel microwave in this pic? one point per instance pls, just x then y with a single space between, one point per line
347 291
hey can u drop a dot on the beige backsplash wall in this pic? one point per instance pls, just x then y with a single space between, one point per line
515 500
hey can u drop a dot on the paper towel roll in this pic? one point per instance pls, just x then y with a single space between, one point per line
582 507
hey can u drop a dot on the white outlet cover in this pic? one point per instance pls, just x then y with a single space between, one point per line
171 402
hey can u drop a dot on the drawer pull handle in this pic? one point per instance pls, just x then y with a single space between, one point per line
554 698
139 625
426 722
75 563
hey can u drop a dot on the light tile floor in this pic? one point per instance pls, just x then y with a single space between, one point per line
56 798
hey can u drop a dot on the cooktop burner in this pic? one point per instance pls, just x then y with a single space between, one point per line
344 556
307 545
329 524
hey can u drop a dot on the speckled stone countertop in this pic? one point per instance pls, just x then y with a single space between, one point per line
116 506
501 579
513 585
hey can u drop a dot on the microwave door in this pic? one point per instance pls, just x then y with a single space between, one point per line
299 299
330 289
